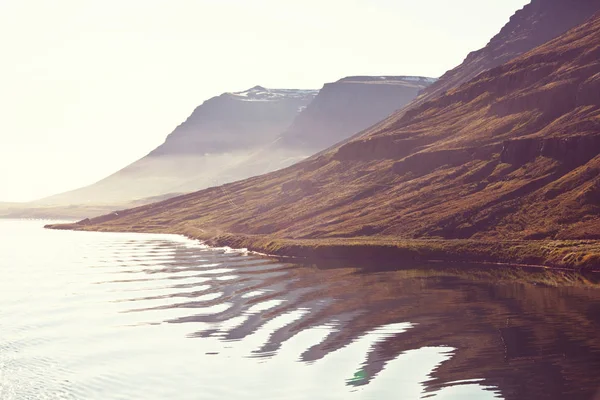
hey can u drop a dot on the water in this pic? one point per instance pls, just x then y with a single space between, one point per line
131 316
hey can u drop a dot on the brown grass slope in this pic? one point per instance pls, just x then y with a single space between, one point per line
535 24
510 155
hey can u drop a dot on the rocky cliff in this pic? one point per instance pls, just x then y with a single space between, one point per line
340 110
349 106
234 121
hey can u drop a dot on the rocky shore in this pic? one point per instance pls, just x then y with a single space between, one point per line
390 253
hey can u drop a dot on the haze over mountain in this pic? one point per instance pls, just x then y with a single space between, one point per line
511 154
340 110
238 135
351 104
220 132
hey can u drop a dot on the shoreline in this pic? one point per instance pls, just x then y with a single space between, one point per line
387 252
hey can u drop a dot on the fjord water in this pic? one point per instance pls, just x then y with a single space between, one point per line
135 316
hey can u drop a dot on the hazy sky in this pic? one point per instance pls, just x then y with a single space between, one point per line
87 87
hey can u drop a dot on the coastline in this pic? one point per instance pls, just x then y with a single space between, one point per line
387 252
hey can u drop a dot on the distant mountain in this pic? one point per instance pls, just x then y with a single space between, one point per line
348 106
236 121
5 208
340 110
238 135
220 132
513 154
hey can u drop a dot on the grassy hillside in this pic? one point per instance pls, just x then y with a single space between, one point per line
511 155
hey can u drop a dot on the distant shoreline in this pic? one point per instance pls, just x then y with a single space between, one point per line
386 252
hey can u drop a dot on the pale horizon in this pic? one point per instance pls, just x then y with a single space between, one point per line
89 87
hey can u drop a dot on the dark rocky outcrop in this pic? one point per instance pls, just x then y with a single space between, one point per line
304 186
589 91
427 161
378 148
571 151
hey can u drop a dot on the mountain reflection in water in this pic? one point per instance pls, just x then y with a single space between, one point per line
253 327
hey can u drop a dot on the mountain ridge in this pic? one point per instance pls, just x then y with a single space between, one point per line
533 25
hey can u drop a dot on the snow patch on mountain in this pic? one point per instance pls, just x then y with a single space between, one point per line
381 79
259 93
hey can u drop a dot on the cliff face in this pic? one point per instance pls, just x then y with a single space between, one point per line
234 121
219 133
512 154
339 110
349 106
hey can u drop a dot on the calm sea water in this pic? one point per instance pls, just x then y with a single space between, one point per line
134 316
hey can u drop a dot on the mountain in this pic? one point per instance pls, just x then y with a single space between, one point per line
235 121
6 207
219 133
238 135
348 106
340 110
512 155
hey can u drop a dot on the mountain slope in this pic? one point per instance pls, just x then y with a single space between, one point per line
535 24
219 133
512 154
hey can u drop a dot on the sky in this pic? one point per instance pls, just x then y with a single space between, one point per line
89 86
